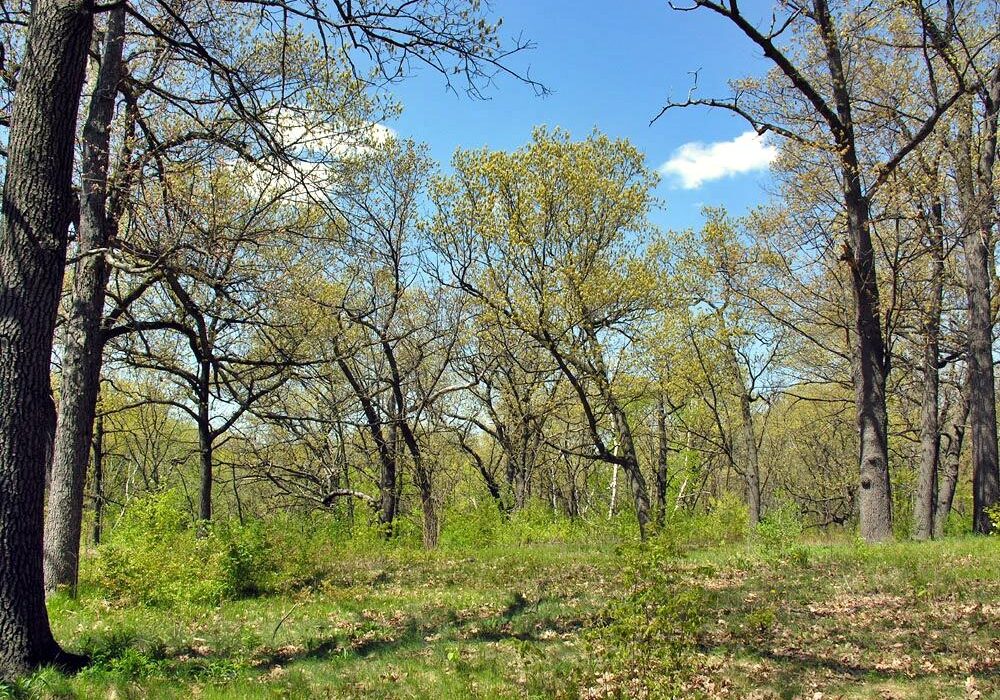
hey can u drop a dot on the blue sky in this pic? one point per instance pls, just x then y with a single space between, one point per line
611 66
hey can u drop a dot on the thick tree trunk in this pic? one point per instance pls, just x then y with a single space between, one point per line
875 497
388 499
425 487
952 436
977 242
428 507
36 216
81 367
982 400
387 494
930 434
661 462
516 449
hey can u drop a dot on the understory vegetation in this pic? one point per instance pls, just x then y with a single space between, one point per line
537 606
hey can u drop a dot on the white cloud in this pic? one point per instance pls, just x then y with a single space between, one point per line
313 151
696 163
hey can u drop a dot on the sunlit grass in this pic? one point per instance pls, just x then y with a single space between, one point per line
840 618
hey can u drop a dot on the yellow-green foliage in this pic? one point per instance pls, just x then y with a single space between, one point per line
483 525
726 522
157 555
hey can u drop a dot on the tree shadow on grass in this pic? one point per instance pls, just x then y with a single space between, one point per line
517 621
793 667
128 656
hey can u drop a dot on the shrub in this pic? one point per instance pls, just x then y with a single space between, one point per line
156 556
993 513
777 535
536 523
472 525
726 522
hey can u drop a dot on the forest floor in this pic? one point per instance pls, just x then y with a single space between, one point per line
817 621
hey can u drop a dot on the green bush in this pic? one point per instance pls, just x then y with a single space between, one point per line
481 524
726 522
993 513
156 555
537 523
472 525
777 536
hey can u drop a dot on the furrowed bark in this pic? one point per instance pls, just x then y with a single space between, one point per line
978 244
33 238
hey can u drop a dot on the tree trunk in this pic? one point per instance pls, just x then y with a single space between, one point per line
752 465
81 367
522 472
205 440
428 507
751 460
630 463
425 486
982 402
388 501
496 493
613 501
977 242
389 480
875 496
98 478
870 366
953 437
930 434
661 462
36 217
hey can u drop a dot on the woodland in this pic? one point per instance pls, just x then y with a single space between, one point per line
288 409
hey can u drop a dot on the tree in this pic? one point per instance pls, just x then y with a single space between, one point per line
821 83
403 332
216 325
513 383
158 128
543 240
977 200
735 345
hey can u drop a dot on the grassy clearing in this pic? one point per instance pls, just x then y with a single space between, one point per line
903 620
844 620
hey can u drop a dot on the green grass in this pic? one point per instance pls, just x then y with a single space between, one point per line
901 620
